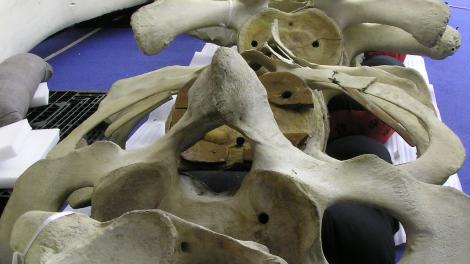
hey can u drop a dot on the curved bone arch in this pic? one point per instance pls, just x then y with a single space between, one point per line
366 37
421 28
25 23
281 201
426 20
156 25
151 237
409 112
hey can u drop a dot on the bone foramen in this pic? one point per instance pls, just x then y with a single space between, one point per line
284 185
141 236
155 25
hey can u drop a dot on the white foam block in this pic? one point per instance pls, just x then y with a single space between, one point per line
85 210
200 58
204 57
209 49
12 138
148 133
417 62
152 129
41 97
37 144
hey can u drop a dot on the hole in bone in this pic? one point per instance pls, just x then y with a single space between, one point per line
291 24
263 218
240 141
184 246
316 44
286 94
254 43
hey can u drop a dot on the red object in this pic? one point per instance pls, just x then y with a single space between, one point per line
358 122
399 56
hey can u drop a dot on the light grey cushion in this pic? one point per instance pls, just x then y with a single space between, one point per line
20 76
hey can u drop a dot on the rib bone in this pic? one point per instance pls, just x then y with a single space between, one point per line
280 202
25 23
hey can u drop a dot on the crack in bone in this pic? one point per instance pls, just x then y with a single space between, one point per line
286 188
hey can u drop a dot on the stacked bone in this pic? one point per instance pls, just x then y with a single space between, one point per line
323 32
275 215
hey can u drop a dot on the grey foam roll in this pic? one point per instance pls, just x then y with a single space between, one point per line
20 76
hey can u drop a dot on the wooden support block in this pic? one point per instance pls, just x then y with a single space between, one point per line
286 89
206 152
176 115
182 98
297 139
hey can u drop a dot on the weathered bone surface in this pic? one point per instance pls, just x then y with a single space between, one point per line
426 20
281 201
321 46
366 37
130 96
156 25
425 226
219 35
409 111
226 37
26 23
297 110
309 34
141 237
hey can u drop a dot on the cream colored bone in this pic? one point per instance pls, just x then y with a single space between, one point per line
419 28
408 110
123 94
25 23
219 35
228 37
309 34
290 5
148 90
285 185
426 20
366 37
157 24
141 236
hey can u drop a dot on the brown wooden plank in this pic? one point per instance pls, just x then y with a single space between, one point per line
286 89
206 152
